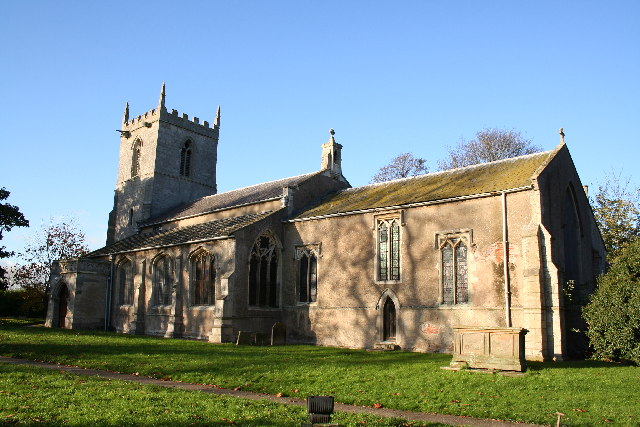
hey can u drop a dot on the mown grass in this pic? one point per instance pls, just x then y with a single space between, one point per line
588 392
36 396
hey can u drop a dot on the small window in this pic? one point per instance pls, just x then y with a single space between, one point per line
388 260
162 281
203 279
135 158
185 159
125 283
453 252
263 273
131 216
308 277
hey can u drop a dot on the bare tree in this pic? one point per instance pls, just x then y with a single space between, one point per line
488 146
617 212
401 166
53 241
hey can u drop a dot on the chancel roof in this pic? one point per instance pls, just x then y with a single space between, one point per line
191 234
471 180
240 197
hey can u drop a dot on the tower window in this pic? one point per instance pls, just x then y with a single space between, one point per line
185 159
131 216
135 158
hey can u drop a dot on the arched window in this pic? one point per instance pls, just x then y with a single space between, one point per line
125 283
263 273
135 158
388 249
308 277
185 159
454 271
162 281
203 279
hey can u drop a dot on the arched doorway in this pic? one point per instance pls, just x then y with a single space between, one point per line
389 321
63 296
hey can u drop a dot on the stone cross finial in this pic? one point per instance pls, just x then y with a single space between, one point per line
332 132
561 135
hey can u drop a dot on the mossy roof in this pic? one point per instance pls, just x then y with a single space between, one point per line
182 235
471 180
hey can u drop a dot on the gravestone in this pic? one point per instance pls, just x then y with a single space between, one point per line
278 334
244 338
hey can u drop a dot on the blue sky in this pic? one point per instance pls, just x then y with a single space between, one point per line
389 77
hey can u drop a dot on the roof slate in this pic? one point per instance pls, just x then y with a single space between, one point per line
242 196
477 179
199 232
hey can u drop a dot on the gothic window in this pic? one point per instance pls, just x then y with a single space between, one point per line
308 276
131 216
135 158
388 234
185 159
162 281
263 273
203 279
125 283
453 252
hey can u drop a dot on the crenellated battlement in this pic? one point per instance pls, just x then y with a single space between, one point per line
161 113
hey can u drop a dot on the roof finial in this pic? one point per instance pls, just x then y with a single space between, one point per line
216 123
162 96
125 117
332 132
561 132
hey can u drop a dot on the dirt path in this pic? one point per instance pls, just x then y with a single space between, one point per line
339 407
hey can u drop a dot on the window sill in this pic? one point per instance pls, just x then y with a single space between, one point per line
388 282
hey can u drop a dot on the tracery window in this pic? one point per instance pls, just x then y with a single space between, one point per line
185 159
125 283
388 234
307 275
135 158
203 279
162 281
263 273
453 252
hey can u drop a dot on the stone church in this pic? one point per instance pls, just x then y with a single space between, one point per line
507 244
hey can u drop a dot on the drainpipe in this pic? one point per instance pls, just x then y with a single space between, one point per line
505 245
107 299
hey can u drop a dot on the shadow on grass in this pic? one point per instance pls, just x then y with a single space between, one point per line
575 364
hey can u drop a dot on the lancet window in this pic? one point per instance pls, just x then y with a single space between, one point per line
162 281
135 158
453 252
185 159
125 283
388 235
203 279
307 275
263 273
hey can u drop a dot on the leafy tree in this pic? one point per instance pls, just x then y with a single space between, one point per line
402 166
10 216
617 212
53 241
488 146
613 314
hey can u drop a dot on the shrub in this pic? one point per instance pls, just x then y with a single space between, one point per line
613 314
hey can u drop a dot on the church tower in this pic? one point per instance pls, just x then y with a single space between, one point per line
165 160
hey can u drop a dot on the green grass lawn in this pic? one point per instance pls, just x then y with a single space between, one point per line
589 392
36 396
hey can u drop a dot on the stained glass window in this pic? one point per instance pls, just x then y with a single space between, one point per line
162 282
263 273
388 250
454 272
307 282
203 279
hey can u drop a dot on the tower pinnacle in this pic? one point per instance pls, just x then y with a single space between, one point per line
125 116
162 96
216 123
